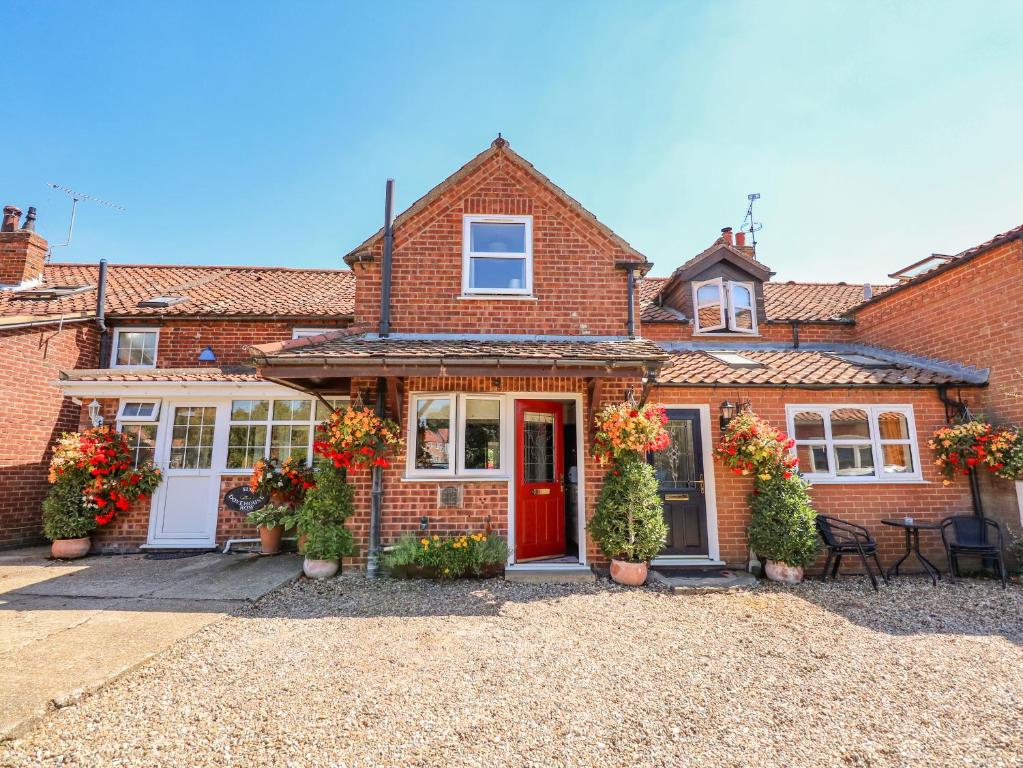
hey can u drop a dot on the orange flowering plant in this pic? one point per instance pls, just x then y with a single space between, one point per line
356 435
976 443
626 428
751 446
100 463
289 480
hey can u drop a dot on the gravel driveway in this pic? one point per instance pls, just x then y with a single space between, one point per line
494 674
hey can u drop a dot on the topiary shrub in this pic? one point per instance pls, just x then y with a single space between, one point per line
783 527
65 514
321 515
629 521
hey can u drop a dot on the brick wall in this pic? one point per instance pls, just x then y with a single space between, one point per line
33 415
577 288
181 340
969 315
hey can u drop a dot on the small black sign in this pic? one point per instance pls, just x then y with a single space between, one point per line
244 500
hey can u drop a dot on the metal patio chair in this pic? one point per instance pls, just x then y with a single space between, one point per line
975 536
842 539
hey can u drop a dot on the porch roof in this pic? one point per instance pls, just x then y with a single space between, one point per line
401 355
812 366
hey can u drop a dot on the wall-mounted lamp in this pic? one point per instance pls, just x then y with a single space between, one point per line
207 355
94 414
727 411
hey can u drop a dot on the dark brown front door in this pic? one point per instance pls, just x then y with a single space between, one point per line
679 471
539 481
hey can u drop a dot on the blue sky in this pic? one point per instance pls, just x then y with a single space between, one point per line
254 133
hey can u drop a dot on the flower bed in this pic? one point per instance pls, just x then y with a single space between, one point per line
478 554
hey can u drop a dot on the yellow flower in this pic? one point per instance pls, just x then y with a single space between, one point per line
425 542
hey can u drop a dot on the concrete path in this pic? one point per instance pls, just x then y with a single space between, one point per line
69 627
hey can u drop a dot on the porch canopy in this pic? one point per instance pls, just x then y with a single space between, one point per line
318 363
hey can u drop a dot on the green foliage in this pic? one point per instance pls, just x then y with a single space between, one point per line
321 515
65 514
783 527
449 558
629 520
269 516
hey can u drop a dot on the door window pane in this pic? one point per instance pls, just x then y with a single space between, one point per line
482 434
433 433
192 437
849 423
538 447
141 442
676 464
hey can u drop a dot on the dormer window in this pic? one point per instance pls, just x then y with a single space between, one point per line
724 306
497 255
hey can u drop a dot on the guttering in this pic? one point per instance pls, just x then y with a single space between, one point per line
49 320
385 266
741 385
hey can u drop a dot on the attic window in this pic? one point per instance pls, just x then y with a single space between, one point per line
864 361
724 306
160 302
52 291
735 360
497 255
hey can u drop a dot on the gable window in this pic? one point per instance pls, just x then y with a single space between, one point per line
724 306
134 348
852 443
456 435
497 255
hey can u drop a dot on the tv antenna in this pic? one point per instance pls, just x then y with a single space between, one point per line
748 224
76 197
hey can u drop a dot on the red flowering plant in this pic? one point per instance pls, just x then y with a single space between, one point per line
355 435
961 447
100 462
627 428
751 446
286 482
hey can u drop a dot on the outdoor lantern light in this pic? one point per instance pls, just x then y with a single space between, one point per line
727 413
94 414
207 355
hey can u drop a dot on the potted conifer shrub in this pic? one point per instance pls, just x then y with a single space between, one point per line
783 530
628 524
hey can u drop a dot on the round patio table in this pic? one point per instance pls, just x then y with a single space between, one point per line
912 529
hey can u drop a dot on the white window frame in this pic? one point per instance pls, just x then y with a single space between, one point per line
269 422
468 254
456 438
155 416
136 423
302 333
875 442
732 325
134 329
722 303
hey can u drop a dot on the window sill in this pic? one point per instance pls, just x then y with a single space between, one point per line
457 479
495 297
725 335
865 481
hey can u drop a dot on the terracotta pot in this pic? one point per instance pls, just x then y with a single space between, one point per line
320 569
270 539
786 574
629 574
70 549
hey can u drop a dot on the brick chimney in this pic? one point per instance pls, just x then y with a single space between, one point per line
726 235
740 239
22 249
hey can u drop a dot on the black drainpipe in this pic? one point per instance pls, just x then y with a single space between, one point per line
955 408
101 310
795 334
631 323
385 266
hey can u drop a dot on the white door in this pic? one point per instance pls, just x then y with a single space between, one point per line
185 507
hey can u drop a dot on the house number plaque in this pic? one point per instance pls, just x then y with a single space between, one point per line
242 499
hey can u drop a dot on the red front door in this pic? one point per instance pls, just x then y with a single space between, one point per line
539 480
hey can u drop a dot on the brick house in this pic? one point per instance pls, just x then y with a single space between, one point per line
491 320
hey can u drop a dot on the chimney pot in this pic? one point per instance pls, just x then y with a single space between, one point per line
12 215
740 239
30 220
726 235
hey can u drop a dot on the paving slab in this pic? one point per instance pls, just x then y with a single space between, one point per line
680 582
68 628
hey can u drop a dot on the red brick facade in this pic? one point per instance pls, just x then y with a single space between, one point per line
32 416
